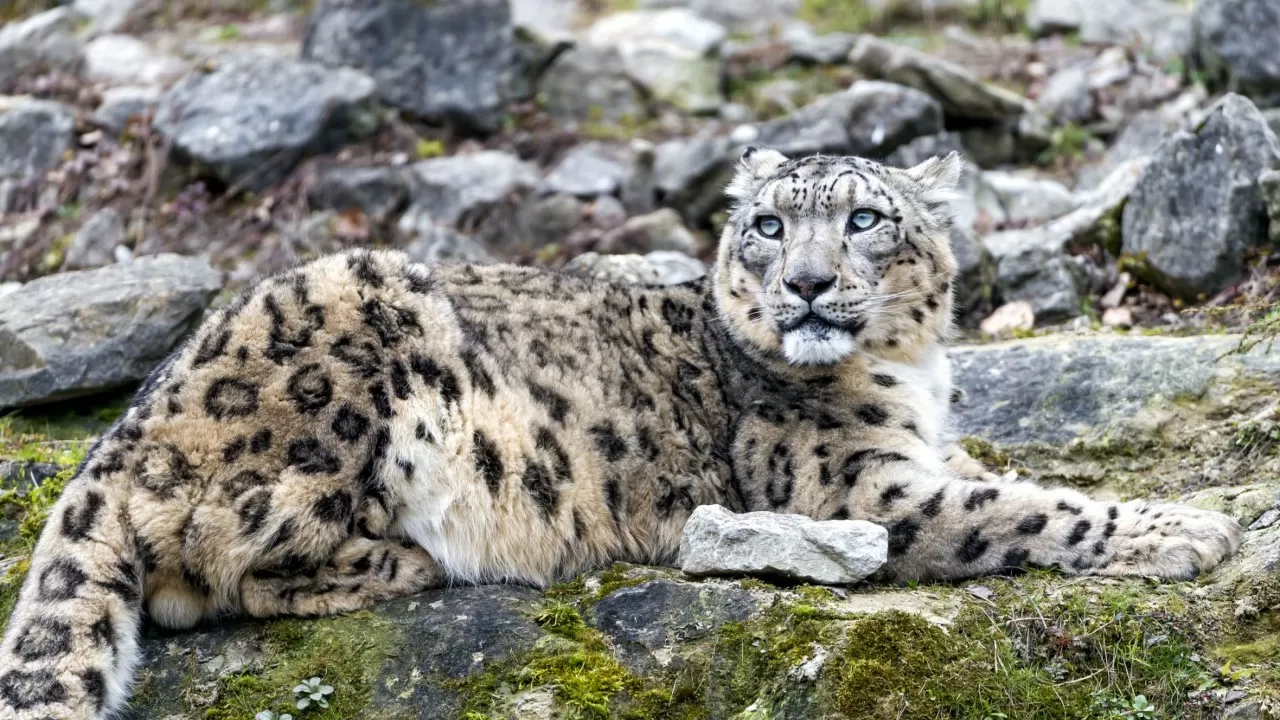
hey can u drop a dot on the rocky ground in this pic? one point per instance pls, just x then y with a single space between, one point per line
1114 233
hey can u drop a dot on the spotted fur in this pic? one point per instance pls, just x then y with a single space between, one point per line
363 427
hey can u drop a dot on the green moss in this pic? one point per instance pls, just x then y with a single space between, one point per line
346 651
986 453
837 15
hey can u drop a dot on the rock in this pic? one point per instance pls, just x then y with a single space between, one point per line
662 267
962 95
587 84
1066 96
254 117
41 43
1197 206
433 243
126 60
1232 44
77 333
95 243
549 219
678 27
751 17
550 19
806 46
777 545
870 118
1045 17
659 230
416 651
1027 199
106 16
1163 27
1032 266
24 476
666 53
449 188
922 148
33 138
450 60
1017 315
1269 185
1138 139
1120 317
589 170
378 192
123 104
648 621
1056 388
607 212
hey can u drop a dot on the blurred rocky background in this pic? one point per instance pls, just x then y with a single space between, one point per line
1115 235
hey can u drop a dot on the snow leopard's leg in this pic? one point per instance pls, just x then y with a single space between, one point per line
362 571
944 527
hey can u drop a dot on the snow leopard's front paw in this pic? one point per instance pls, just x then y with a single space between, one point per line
1177 542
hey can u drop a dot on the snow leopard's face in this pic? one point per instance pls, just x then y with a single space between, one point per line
825 255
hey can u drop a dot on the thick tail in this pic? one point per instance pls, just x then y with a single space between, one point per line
71 645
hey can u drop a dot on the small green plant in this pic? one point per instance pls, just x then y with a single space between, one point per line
426 149
227 33
272 715
312 691
1066 143
1139 708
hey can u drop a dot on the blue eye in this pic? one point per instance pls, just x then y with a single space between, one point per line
769 226
863 220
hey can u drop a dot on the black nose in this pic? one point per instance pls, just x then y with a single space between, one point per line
809 287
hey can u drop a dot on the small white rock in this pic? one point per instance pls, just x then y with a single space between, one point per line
1017 315
1121 317
831 552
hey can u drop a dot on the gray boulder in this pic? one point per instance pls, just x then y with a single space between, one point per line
962 94
122 104
1028 200
1197 206
777 545
1058 388
125 60
38 44
83 332
434 243
658 230
806 46
589 170
254 117
753 17
661 267
1162 27
1066 96
94 245
450 60
870 118
590 84
546 220
108 16
922 148
33 137
378 192
668 53
449 188
1235 43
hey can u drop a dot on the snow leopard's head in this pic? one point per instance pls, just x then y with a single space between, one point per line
825 255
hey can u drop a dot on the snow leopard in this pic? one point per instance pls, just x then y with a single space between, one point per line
364 427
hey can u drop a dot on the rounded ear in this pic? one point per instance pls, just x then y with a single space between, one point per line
754 167
937 178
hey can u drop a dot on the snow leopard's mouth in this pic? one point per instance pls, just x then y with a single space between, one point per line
813 326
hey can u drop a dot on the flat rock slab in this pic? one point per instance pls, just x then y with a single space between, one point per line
77 333
793 547
1055 389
